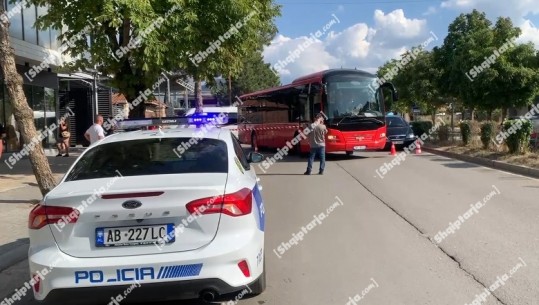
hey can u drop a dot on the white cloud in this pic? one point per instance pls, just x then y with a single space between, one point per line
515 9
430 11
358 46
529 33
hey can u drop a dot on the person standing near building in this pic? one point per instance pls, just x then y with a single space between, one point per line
96 131
63 139
317 141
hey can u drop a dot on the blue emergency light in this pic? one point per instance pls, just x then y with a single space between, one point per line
198 119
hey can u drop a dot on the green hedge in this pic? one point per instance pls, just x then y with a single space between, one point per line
421 127
444 132
466 132
487 133
517 135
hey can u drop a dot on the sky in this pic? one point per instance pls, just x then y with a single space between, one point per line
364 34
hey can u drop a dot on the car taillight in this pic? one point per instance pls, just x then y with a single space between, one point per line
244 268
236 204
37 282
42 215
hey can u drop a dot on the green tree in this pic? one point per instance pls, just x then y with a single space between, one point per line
254 75
134 41
466 45
483 67
515 77
416 80
255 28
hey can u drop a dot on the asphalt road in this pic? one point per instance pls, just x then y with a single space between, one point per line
380 242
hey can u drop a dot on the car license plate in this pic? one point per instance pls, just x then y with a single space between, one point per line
132 236
398 142
360 147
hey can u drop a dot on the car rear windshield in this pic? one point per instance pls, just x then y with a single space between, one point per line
395 122
152 157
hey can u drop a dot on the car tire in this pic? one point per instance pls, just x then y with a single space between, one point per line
260 284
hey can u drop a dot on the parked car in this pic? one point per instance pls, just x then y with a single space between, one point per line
178 218
398 132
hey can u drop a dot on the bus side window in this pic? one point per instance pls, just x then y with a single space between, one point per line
316 98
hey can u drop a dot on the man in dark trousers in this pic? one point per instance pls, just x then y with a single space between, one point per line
317 141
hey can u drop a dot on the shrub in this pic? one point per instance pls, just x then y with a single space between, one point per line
517 134
487 132
443 133
421 127
466 132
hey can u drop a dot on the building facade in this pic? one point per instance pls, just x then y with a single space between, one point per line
31 48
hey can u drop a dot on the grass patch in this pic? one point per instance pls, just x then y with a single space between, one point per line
475 149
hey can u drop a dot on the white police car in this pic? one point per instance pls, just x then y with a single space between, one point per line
181 216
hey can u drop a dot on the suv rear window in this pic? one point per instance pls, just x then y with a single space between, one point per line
152 157
395 122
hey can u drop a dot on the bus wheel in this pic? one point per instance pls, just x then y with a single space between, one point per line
349 153
254 144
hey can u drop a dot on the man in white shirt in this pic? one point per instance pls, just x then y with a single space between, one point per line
95 132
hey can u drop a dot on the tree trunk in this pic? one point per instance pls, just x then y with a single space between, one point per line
23 113
489 115
504 113
198 95
139 111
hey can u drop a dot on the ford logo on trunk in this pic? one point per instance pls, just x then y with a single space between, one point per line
131 204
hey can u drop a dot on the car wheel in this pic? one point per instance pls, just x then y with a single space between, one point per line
260 285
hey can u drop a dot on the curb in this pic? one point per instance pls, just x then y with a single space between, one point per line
18 253
515 169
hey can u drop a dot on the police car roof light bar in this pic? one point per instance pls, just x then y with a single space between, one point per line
198 120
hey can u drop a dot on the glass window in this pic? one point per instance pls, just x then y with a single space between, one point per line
151 157
350 95
14 14
44 36
38 98
2 117
11 130
30 33
240 153
50 112
394 121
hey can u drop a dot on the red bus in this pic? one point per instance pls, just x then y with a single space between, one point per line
351 99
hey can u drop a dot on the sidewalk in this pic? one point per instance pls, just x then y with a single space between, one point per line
18 194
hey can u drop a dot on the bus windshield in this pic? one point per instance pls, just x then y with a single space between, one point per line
352 95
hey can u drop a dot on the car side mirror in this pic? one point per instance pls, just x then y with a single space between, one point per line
255 157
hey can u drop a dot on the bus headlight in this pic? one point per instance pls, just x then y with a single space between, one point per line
332 137
383 135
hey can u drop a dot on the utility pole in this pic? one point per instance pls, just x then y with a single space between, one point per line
229 90
96 97
167 99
